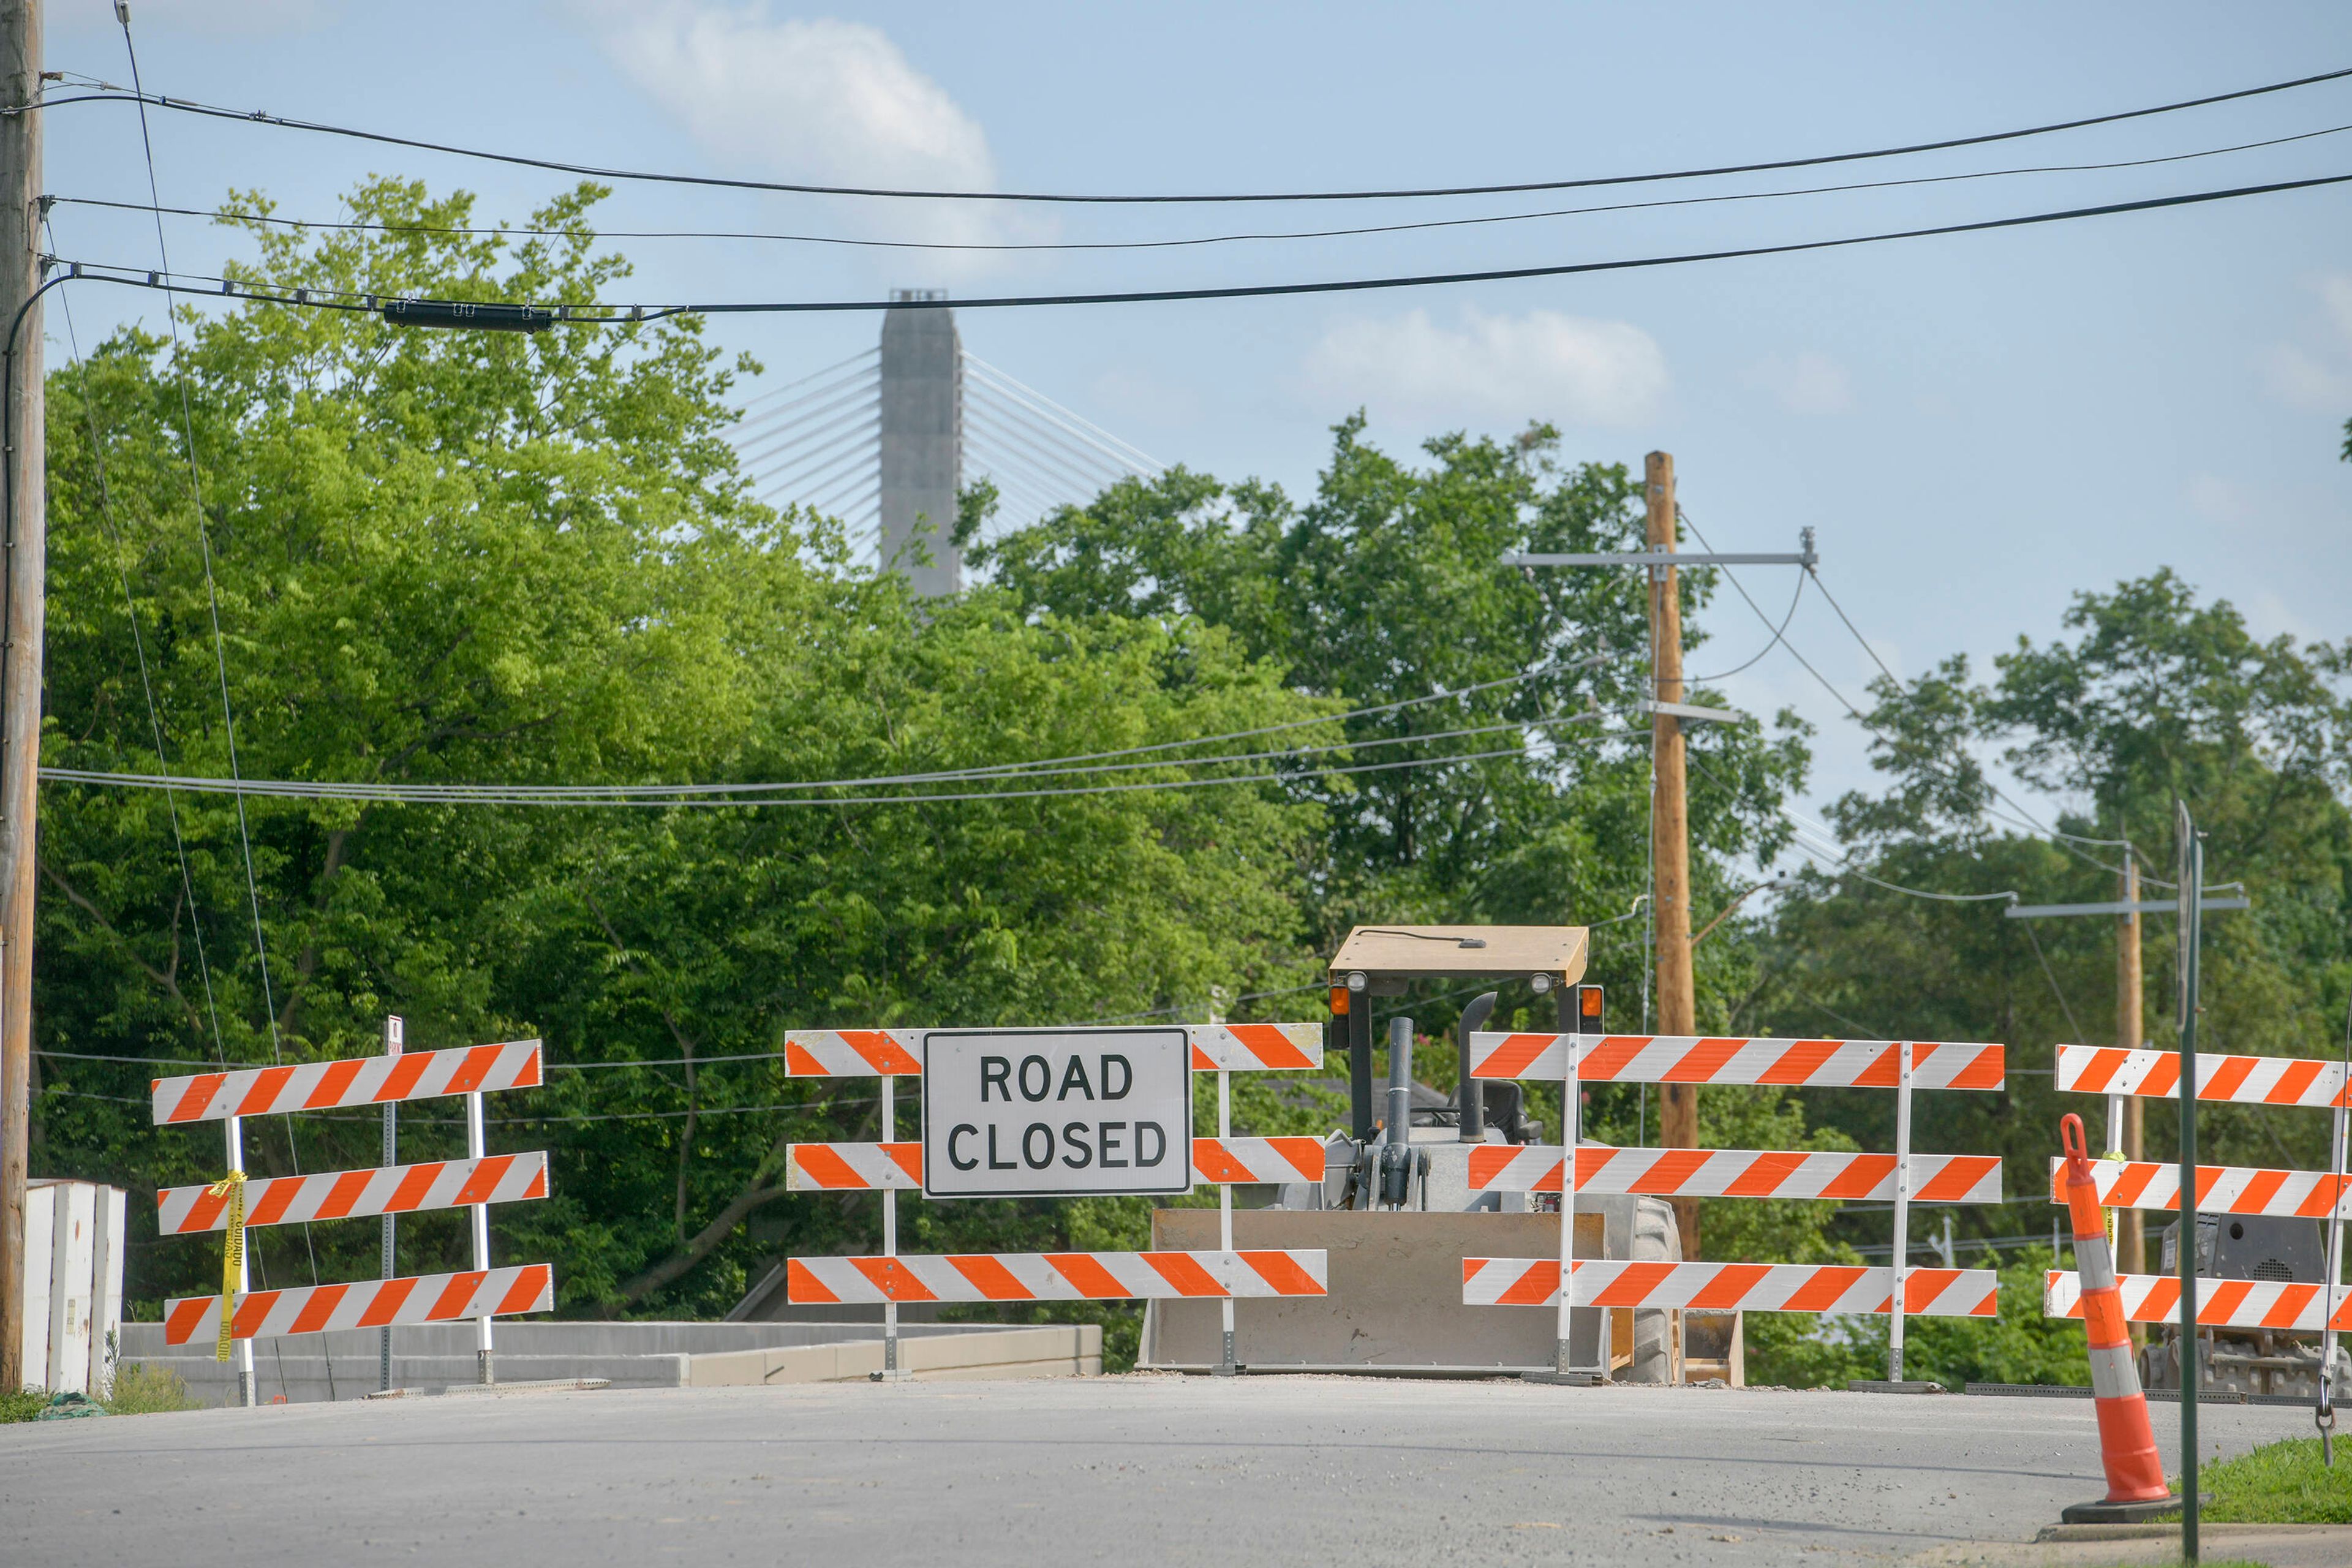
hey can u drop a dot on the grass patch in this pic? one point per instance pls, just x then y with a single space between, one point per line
22 1404
2278 1483
143 1390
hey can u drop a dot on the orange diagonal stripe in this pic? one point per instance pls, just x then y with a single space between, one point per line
1282 1271
1185 1272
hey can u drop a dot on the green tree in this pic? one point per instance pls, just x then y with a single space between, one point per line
444 558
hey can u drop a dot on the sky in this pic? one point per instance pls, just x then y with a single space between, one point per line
1978 426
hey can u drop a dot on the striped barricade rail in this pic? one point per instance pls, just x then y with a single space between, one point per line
1731 1286
354 1195
361 1080
898 1053
1703 1059
879 1167
2239 1080
1735 1173
375 1303
1054 1277
2221 1189
2220 1303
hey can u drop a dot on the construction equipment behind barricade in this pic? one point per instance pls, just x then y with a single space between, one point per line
239 1315
2261 1234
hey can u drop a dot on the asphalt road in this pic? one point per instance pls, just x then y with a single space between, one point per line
1144 1470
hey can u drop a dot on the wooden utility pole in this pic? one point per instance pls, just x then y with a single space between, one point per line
2131 1233
1670 833
22 552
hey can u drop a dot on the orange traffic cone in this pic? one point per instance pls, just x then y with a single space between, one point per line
2135 1485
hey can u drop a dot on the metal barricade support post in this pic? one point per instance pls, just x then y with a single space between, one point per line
477 1148
1902 1255
245 1390
1571 1124
394 1034
889 1232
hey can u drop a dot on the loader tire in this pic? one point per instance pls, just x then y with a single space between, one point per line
1656 1239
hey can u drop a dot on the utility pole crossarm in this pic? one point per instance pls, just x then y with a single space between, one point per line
1806 557
2133 907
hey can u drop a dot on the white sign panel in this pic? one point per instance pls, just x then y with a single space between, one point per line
1057 1112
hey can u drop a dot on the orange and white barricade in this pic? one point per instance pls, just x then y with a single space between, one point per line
2294 1082
884 1167
1056 1277
1574 1061
237 1315
1730 1287
890 1167
370 1304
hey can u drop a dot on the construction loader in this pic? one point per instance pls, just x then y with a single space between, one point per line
1396 1212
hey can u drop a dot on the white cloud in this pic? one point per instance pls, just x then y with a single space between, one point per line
2220 501
2302 380
2316 373
823 100
1539 365
1807 382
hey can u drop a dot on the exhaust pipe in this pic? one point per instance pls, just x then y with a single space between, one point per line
1396 1155
1469 1098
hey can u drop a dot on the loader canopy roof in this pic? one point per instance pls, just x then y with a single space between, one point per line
1417 953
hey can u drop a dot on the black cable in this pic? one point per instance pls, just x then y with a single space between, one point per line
185 106
1194 240
618 315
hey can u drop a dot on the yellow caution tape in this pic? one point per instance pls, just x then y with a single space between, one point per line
232 1254
2109 1214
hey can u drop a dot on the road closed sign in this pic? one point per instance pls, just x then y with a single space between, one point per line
1057 1112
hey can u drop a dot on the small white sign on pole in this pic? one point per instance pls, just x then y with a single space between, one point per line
1057 1112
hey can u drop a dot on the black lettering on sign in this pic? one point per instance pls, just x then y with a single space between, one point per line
1044 1078
1126 1076
1074 1135
955 1159
993 1163
1108 1137
1158 1140
995 1070
1076 1073
1029 1155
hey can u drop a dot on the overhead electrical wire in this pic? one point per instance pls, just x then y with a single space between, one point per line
991 771
623 315
225 215
710 796
259 117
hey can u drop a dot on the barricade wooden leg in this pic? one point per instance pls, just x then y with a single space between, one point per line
244 1391
477 1147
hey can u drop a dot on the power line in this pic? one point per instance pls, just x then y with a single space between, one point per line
259 117
618 315
1194 241
431 794
297 790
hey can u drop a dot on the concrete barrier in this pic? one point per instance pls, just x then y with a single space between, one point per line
312 1368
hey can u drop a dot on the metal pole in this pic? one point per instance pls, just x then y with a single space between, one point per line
1569 1120
2131 1235
2192 880
1226 1213
475 1148
1670 832
889 1232
21 610
1899 1299
394 1034
245 1392
2324 1416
